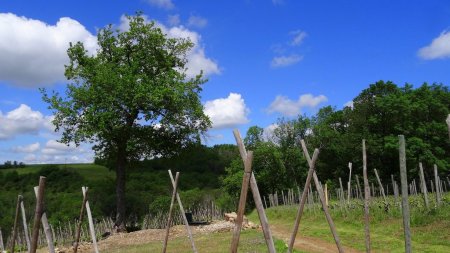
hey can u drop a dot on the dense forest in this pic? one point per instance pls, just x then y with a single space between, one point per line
379 114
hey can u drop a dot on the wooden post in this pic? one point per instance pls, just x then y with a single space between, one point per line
242 200
169 219
183 214
405 203
256 196
342 198
349 183
80 222
38 214
303 199
25 226
381 187
436 181
48 235
359 186
448 124
366 198
2 246
326 194
90 220
16 221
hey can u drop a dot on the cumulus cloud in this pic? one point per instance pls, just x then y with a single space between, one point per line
23 120
268 132
227 112
163 4
439 48
288 107
33 53
173 20
197 21
284 61
299 36
349 104
56 152
27 149
197 59
53 147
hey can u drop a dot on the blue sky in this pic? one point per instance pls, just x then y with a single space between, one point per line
264 59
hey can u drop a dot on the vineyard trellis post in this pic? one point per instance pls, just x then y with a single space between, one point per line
183 214
91 222
405 203
366 198
424 186
448 125
38 214
25 226
80 222
16 220
349 183
256 196
381 188
2 247
45 225
436 181
169 219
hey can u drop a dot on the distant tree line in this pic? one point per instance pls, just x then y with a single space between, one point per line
12 164
379 114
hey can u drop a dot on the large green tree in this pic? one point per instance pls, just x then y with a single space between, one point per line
131 99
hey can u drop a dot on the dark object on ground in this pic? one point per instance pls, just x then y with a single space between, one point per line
192 222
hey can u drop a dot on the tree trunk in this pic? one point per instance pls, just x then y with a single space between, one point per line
119 225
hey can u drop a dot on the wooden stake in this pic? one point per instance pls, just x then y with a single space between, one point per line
359 186
436 181
242 201
16 220
46 226
349 183
25 226
382 189
38 214
423 186
169 219
366 198
183 214
2 246
448 124
326 194
90 220
80 222
405 203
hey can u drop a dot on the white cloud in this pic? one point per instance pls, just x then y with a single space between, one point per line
197 21
53 147
299 36
27 149
23 120
33 53
268 132
227 112
173 20
288 107
284 61
163 4
197 60
349 104
439 48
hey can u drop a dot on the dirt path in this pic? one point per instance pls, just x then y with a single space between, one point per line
309 244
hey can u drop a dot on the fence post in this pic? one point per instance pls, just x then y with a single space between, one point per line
16 220
80 222
349 184
381 187
436 181
169 219
25 226
405 203
2 247
38 214
423 186
366 198
48 235
90 220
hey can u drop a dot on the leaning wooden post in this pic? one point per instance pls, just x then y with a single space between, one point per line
303 199
38 214
47 231
326 194
169 219
90 220
436 181
183 214
366 198
359 186
424 186
349 183
405 203
80 222
256 196
16 221
381 187
25 226
242 201
2 247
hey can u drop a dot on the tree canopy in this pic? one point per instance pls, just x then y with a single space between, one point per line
131 98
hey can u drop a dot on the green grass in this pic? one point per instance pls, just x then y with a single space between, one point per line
86 170
430 229
250 241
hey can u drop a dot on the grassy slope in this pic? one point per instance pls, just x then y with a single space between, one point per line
430 229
